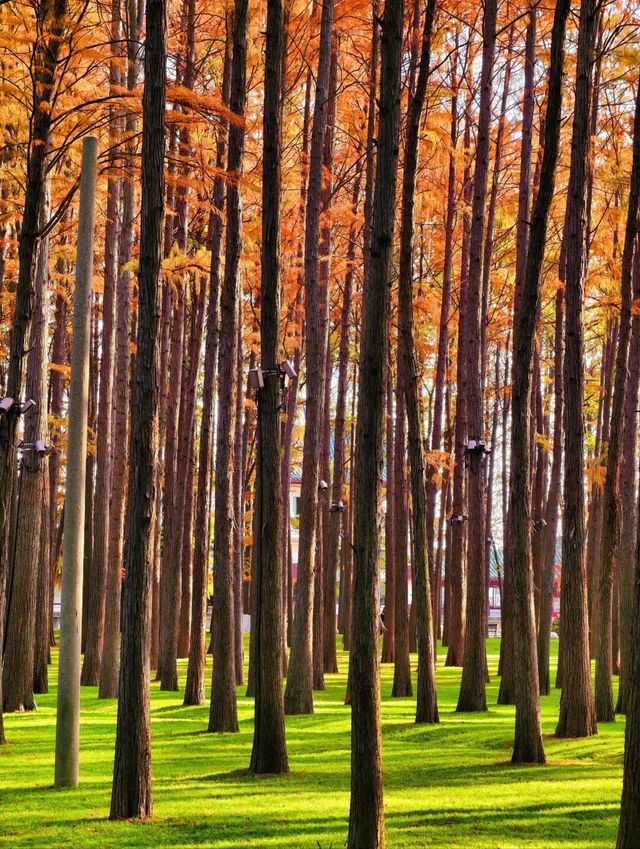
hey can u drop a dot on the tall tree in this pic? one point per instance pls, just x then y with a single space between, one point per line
269 752
298 697
427 705
611 495
366 816
68 701
195 686
52 31
336 513
223 715
472 695
577 713
96 595
131 792
528 746
22 591
110 668
629 522
629 827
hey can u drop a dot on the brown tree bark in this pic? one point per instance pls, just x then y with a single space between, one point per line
51 34
195 686
44 611
629 828
223 715
96 591
325 251
528 747
443 335
629 519
457 578
611 495
22 589
595 501
171 573
269 752
550 532
389 617
427 705
402 662
472 696
337 511
577 713
366 816
109 673
299 690
131 793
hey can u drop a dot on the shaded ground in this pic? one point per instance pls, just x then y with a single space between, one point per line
446 786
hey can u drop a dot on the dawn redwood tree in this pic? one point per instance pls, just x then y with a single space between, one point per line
110 669
443 329
366 816
472 695
131 793
195 686
325 250
528 747
51 33
552 506
336 511
94 636
611 494
457 571
269 752
22 590
402 685
577 712
629 828
389 618
629 520
427 703
170 572
223 714
298 697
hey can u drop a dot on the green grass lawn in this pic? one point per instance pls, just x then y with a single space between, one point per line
445 786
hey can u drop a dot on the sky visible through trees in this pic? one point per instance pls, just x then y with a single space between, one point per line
319 357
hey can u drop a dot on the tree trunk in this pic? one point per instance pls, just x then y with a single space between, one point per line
611 495
23 587
629 828
427 707
629 521
223 715
457 578
131 793
68 702
443 334
110 671
97 588
472 695
51 36
195 686
550 532
528 746
366 816
577 712
171 573
298 693
269 752
402 662
389 611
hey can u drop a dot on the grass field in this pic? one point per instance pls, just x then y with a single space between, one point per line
445 786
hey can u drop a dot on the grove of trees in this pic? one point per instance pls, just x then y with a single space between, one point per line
388 249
